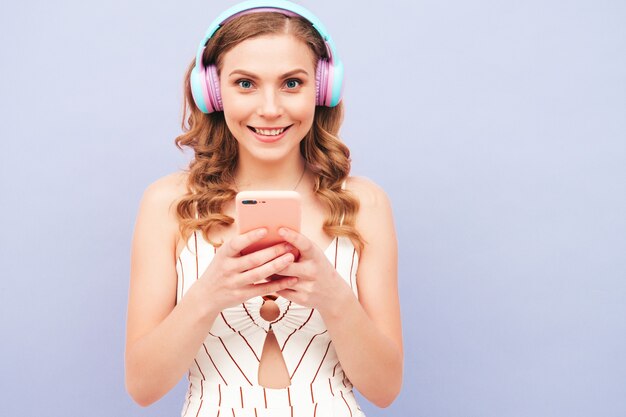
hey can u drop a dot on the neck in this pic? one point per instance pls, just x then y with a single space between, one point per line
277 175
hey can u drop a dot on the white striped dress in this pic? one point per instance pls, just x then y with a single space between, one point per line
223 378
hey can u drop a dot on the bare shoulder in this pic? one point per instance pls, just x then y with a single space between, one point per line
372 198
158 203
368 192
167 189
374 220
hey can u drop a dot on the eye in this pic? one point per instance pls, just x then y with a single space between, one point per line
245 84
293 83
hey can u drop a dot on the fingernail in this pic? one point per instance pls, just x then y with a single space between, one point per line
282 232
262 232
289 247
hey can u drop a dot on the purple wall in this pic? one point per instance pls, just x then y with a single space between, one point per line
497 129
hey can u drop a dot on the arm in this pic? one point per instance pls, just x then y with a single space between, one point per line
367 332
162 338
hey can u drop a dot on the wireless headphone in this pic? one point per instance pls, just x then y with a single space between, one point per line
205 84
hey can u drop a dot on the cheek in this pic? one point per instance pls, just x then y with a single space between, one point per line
235 113
235 107
235 123
303 109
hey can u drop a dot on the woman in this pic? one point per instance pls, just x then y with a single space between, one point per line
263 100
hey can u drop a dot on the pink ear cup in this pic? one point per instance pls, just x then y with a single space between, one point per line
204 88
329 84
318 76
321 82
213 85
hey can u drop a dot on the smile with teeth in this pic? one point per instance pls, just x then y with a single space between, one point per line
269 132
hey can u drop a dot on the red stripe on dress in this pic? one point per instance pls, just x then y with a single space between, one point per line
289 396
215 366
265 397
246 340
198 413
319 367
335 368
219 391
352 265
233 410
238 332
255 414
201 389
305 350
343 380
331 387
307 320
199 369
315 411
286 340
344 400
281 317
241 394
336 250
251 319
228 324
234 361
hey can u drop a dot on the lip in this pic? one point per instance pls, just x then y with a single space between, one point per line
269 139
271 127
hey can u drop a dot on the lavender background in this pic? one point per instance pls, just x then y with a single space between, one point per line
498 130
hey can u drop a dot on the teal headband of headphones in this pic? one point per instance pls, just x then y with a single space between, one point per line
329 73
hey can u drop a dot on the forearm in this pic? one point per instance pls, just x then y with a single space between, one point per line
156 362
370 359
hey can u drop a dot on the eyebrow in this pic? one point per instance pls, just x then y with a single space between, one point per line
287 74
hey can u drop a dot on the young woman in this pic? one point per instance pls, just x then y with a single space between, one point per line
263 113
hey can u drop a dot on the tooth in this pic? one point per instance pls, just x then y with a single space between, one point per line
269 132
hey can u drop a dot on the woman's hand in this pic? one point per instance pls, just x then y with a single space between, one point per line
230 278
319 285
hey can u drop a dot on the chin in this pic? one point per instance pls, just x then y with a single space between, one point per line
271 155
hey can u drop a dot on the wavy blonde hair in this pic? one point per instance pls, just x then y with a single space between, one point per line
210 182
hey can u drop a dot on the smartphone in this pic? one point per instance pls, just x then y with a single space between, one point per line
269 209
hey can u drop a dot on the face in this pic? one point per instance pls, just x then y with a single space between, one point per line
268 92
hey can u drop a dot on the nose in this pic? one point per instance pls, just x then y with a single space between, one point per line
269 106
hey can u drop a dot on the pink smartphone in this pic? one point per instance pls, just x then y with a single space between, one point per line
269 209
